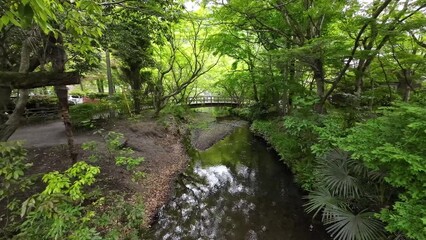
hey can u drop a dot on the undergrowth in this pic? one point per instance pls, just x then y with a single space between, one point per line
68 207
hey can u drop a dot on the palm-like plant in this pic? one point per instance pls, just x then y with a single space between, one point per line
340 194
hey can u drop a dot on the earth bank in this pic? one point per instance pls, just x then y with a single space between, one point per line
160 144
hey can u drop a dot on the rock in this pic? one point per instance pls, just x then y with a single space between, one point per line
251 235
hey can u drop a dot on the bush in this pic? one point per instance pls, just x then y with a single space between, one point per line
221 112
345 195
252 112
294 151
42 101
178 111
118 218
121 103
84 115
394 143
13 164
57 212
97 95
63 210
302 137
121 155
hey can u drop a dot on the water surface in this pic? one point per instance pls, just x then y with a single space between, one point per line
236 190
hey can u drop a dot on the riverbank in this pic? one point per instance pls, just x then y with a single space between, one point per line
159 142
206 130
237 189
165 158
204 138
161 147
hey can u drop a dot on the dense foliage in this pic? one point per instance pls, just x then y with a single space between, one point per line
67 208
394 144
334 86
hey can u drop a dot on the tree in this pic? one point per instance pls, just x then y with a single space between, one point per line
132 30
305 38
130 33
182 59
295 30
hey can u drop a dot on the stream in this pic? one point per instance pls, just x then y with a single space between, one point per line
236 189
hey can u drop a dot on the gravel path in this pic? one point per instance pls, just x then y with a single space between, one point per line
47 134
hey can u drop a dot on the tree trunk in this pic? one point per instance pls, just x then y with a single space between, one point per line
4 102
7 129
111 87
359 77
158 98
58 57
319 78
62 94
253 82
287 73
100 85
136 90
405 78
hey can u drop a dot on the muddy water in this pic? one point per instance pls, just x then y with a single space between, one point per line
236 190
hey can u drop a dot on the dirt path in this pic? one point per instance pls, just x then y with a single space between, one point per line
165 158
161 147
47 134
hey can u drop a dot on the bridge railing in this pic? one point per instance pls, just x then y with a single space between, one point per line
42 112
211 100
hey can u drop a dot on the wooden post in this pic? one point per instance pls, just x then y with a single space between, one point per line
27 80
16 80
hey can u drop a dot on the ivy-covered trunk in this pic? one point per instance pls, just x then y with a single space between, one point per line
111 86
319 78
5 92
405 83
58 58
132 72
7 129
136 91
158 99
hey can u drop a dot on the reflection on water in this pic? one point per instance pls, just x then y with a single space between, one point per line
235 190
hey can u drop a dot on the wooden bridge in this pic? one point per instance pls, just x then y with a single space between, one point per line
212 101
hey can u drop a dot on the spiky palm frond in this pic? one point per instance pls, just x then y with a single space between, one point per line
339 193
322 200
336 173
345 225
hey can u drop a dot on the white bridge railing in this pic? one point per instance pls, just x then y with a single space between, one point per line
211 100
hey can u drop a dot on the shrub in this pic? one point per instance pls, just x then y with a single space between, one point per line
13 164
302 137
221 112
294 151
394 143
84 115
118 218
42 101
178 111
97 95
243 113
121 155
57 212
